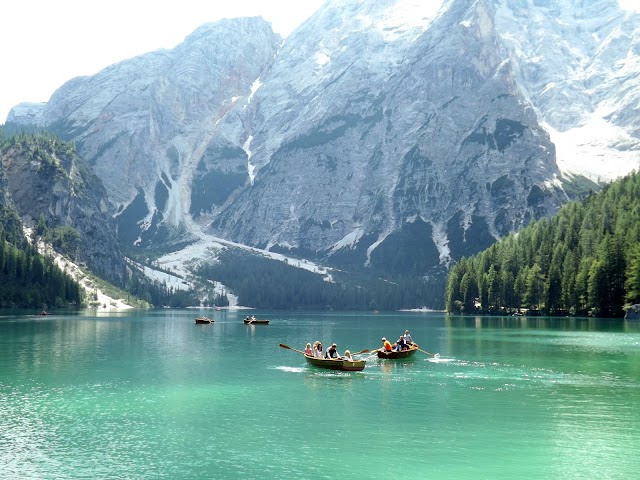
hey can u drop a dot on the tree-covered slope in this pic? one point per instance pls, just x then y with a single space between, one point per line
584 260
53 190
29 280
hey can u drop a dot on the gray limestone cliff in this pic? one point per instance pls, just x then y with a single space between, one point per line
46 180
383 133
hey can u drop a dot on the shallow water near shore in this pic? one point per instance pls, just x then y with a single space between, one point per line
149 394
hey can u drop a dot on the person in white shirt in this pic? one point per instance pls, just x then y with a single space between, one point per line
407 338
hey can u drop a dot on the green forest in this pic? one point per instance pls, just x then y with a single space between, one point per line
267 283
28 279
585 260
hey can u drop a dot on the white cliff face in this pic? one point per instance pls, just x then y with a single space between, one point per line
145 124
378 127
577 63
363 133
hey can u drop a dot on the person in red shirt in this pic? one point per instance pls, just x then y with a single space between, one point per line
386 345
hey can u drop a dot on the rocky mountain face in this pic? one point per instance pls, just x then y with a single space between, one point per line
145 125
46 180
577 63
9 218
382 133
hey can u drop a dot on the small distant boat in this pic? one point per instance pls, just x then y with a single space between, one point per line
203 320
335 364
43 313
395 355
259 322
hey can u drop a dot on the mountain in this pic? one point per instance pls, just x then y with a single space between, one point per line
387 134
144 125
48 187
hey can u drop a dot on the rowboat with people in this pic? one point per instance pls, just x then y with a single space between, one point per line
336 363
396 354
253 322
339 363
203 320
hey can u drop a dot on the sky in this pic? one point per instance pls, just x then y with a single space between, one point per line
48 42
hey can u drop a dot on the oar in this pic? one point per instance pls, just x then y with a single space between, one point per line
428 353
291 348
366 350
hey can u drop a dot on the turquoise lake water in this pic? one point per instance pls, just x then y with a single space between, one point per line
149 394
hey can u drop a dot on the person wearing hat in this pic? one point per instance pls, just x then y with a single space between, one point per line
332 352
386 345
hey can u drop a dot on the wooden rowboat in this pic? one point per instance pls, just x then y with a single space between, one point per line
395 355
203 320
259 322
334 364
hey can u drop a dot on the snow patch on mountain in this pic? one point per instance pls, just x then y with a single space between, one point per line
349 240
185 261
251 168
441 241
598 150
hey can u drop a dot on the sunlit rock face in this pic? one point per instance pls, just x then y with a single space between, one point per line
148 126
389 127
54 185
398 134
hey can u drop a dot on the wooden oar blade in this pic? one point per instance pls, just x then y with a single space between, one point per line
291 348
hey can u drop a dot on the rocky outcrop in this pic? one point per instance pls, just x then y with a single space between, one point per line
148 126
427 145
47 181
633 312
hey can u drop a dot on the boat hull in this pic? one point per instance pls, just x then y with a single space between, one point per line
396 355
254 322
204 320
343 365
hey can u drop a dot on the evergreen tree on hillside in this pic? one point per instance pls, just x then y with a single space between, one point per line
585 260
29 280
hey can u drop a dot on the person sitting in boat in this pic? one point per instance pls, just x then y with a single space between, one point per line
317 351
386 345
407 338
253 318
247 319
347 356
308 351
400 345
332 352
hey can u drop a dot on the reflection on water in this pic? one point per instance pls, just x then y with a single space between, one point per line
152 395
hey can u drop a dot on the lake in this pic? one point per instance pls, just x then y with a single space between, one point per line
150 394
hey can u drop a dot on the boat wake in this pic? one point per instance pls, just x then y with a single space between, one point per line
439 359
289 369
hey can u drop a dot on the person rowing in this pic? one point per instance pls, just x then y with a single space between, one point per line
386 345
332 352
